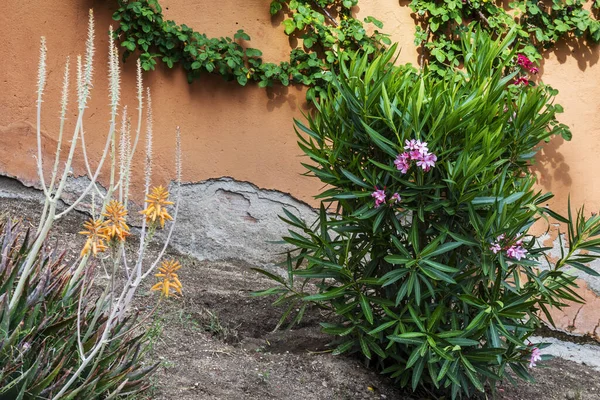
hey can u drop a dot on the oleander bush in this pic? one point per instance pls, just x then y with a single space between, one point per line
422 249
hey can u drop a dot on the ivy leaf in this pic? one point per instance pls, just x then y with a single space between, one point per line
439 55
128 45
240 34
242 79
309 42
253 52
374 21
290 26
168 61
275 7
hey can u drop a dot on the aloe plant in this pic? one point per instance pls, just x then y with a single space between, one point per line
39 337
58 340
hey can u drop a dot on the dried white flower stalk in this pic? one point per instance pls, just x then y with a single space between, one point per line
123 154
113 73
88 69
115 300
148 165
42 68
178 160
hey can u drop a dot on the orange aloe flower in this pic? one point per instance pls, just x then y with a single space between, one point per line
157 206
115 226
168 278
95 231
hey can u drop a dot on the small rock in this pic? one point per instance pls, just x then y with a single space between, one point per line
571 395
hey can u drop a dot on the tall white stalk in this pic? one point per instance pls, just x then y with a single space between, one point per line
116 301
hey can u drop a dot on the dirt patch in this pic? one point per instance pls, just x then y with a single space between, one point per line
217 342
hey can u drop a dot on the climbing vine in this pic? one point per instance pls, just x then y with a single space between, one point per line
539 25
143 28
327 30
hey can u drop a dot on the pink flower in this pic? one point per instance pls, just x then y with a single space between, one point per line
402 162
526 63
517 252
421 147
379 196
523 61
536 355
396 198
427 161
521 81
415 155
501 237
495 248
416 145
416 151
410 145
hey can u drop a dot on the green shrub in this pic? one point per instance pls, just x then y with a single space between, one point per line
440 286
39 337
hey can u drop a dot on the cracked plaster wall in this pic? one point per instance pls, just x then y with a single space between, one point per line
218 219
224 218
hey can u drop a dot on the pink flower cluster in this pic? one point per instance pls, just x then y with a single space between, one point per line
526 63
521 81
415 151
379 196
536 355
516 251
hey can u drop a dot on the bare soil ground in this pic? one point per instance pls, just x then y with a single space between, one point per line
217 342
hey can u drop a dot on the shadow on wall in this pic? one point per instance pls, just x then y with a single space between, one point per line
209 86
585 52
550 166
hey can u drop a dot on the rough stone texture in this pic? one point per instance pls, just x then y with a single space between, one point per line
13 189
219 219
227 219
586 354
551 239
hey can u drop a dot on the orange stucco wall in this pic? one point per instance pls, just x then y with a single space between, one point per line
244 132
228 130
